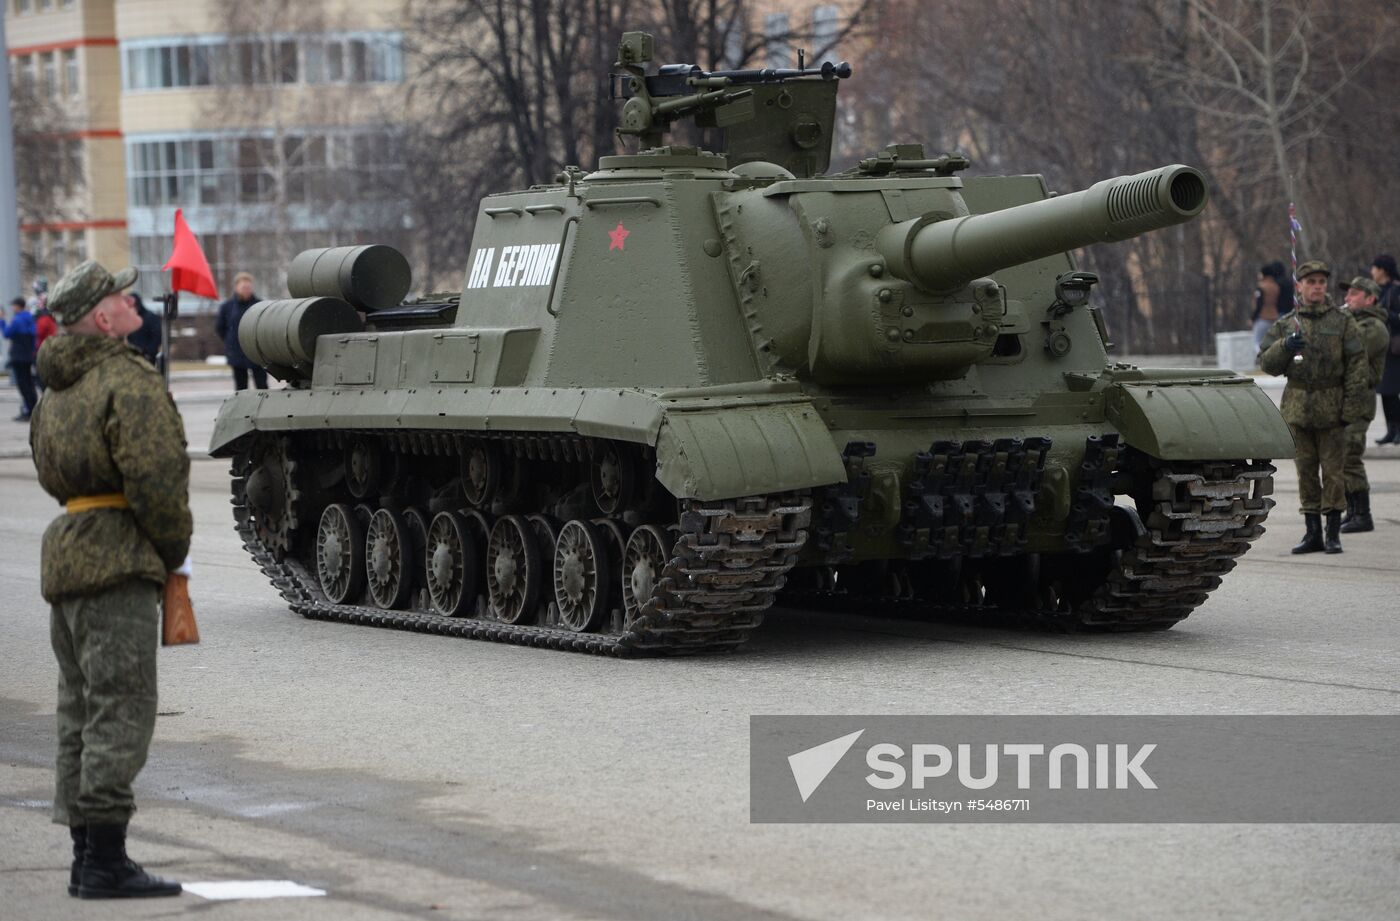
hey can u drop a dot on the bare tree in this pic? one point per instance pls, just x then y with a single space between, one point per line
958 76
1266 74
1278 100
48 165
506 93
321 162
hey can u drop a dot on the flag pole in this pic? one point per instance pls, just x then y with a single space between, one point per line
189 271
170 311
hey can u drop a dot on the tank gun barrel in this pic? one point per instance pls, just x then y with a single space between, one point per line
942 254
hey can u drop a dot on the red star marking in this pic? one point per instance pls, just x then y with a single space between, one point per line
618 235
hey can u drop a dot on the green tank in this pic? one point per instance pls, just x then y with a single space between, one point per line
685 386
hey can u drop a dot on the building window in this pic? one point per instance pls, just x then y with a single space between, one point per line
70 73
20 73
68 5
58 255
309 59
44 6
385 62
49 65
285 62
223 170
21 7
335 62
33 251
826 22
776 32
73 158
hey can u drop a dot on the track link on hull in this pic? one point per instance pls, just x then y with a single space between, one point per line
728 563
1203 518
1200 518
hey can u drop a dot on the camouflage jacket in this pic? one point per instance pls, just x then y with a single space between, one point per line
1331 386
1374 332
106 425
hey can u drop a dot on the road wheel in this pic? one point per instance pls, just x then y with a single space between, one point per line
340 554
648 549
451 565
581 565
482 464
513 570
389 559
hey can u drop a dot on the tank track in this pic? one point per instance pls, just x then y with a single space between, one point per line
728 563
1202 518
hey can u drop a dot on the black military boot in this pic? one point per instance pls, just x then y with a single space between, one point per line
1331 542
109 874
1312 540
1351 506
1391 436
79 833
1360 520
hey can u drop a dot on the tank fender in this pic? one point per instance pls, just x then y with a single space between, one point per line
237 418
723 453
1223 419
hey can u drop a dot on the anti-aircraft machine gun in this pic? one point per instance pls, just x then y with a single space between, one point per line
686 385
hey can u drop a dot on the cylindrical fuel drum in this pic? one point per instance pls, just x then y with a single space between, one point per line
369 277
281 335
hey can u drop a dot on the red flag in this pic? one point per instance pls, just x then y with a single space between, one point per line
189 270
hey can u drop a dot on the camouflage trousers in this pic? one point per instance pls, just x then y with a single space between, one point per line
106 649
1355 471
1324 449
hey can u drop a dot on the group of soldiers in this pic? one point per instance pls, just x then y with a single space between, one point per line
1333 358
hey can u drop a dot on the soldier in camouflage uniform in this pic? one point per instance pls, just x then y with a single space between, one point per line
1363 303
109 444
1320 349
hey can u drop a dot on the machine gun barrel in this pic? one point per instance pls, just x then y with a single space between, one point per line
940 255
672 80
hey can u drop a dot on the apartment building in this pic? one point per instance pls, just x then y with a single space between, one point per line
271 124
64 54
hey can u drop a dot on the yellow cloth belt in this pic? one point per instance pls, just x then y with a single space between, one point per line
105 500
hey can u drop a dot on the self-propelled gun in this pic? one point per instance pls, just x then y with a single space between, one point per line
685 385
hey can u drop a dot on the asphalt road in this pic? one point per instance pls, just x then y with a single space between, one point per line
421 776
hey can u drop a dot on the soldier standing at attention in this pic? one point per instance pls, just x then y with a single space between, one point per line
1363 303
108 444
1320 350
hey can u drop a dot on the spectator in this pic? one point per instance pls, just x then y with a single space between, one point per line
44 327
40 300
1273 297
147 338
20 331
231 314
1383 272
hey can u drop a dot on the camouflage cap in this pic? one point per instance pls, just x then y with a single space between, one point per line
80 290
1313 267
1364 283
